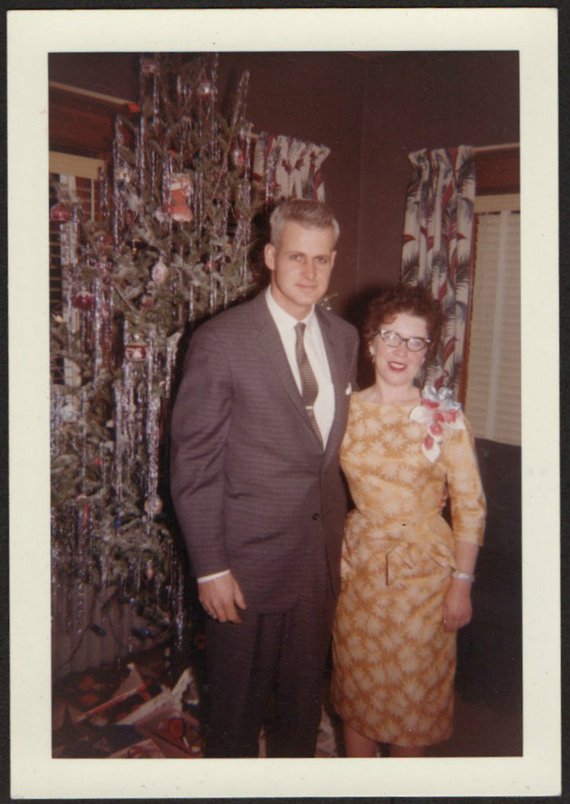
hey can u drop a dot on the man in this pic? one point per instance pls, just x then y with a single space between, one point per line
256 430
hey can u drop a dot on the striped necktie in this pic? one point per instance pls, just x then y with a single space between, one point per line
309 384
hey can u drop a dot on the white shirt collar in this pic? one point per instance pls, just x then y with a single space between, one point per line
284 320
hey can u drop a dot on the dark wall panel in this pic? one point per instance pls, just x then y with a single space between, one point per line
370 109
424 100
113 74
315 97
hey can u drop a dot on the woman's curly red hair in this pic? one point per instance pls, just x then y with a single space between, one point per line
411 299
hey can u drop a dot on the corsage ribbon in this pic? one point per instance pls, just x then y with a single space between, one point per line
438 411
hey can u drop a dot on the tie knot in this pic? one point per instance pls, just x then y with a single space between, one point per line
300 329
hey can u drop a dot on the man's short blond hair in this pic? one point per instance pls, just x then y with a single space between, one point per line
305 211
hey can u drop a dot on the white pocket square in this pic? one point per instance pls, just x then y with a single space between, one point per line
348 389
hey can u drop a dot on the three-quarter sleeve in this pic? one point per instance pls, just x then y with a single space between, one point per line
468 506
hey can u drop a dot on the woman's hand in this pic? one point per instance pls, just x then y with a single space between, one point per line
457 608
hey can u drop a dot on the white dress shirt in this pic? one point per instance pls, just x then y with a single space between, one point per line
315 349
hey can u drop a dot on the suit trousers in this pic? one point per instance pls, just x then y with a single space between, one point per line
268 670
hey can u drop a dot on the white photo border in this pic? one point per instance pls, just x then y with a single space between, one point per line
32 35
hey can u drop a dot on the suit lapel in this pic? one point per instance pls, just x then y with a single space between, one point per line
340 397
269 341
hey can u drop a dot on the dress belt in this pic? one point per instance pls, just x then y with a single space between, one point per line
399 551
401 555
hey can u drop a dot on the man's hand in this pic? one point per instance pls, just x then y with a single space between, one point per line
220 596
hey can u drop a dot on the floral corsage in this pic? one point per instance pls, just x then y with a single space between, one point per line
438 411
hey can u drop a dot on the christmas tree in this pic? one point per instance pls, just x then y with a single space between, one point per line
168 246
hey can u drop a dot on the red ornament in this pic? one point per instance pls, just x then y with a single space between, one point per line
133 107
135 351
180 193
60 213
84 300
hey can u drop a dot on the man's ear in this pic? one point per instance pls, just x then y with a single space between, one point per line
333 258
269 256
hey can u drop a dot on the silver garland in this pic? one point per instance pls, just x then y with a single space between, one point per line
130 288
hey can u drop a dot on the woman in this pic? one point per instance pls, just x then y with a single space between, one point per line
407 575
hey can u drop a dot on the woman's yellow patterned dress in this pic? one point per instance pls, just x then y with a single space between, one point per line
394 664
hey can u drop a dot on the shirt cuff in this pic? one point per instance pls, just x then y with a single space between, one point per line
204 578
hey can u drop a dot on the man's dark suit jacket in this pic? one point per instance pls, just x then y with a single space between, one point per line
252 488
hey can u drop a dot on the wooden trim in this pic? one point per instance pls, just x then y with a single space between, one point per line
87 93
497 171
464 377
82 125
71 165
497 203
505 146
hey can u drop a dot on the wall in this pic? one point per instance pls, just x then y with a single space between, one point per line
424 100
316 97
370 109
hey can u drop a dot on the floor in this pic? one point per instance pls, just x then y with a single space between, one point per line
149 708
479 732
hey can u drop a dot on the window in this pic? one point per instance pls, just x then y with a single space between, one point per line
494 365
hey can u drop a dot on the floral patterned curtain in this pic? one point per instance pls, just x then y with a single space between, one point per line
438 246
287 168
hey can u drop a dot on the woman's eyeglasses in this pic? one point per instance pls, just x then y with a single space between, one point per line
393 339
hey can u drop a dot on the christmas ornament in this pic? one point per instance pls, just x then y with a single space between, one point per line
135 351
122 174
159 272
136 244
60 213
205 89
153 506
142 633
238 157
180 187
84 300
